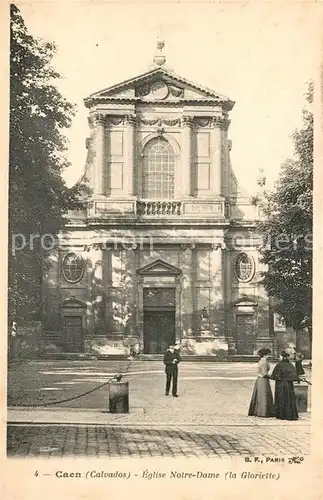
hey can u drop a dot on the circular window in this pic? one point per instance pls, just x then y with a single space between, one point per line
244 267
72 267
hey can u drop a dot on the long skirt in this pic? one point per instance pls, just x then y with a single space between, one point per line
285 401
262 403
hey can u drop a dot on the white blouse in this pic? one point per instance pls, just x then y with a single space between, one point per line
263 367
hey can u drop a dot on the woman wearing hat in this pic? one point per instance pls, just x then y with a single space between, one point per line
262 404
285 375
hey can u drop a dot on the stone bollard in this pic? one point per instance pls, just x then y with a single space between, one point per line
119 397
301 394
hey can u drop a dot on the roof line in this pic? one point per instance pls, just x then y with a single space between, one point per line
166 72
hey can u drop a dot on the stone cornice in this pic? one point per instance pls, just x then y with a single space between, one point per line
151 224
92 101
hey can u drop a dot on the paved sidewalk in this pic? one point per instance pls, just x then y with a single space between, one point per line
155 441
139 416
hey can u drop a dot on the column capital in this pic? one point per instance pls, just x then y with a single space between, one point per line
187 121
221 122
98 119
185 246
218 246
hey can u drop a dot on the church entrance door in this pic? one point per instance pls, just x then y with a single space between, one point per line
72 334
159 319
245 334
159 331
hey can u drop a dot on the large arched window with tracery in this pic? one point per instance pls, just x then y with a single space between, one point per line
158 170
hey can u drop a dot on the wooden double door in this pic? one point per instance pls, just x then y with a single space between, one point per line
245 334
159 331
159 319
73 334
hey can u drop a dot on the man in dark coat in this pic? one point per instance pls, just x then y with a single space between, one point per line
171 360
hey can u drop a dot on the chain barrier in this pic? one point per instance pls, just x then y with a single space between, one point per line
117 378
303 379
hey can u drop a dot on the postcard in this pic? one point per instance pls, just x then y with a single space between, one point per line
161 281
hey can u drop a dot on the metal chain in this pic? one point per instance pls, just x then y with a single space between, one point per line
74 397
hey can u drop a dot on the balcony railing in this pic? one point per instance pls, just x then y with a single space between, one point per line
147 208
150 207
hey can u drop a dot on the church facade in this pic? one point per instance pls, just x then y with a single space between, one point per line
164 247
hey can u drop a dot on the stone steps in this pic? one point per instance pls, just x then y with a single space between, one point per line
148 357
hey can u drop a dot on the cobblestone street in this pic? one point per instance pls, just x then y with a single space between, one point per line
150 441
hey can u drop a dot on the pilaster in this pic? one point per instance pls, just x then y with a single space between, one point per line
99 121
217 288
186 156
130 127
97 290
186 265
216 165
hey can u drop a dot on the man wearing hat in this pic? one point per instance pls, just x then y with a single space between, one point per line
171 360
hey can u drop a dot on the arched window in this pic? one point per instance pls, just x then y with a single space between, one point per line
158 170
72 267
244 267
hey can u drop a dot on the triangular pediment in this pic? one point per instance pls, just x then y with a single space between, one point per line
158 84
159 268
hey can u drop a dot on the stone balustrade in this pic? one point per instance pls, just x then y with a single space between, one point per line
142 208
159 208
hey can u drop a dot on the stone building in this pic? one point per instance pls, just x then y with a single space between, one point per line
164 248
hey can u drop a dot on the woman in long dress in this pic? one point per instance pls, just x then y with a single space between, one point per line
262 403
285 375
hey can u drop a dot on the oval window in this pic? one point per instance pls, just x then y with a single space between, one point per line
72 267
244 267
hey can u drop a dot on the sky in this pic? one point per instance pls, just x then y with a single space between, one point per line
260 55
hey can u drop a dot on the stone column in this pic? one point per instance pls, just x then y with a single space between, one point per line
186 156
97 288
216 165
129 142
99 162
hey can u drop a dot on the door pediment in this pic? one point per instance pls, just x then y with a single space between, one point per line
159 268
72 303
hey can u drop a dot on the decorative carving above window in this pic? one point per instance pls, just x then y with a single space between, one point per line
159 90
176 92
212 121
159 122
202 122
244 267
143 90
116 120
73 267
159 297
